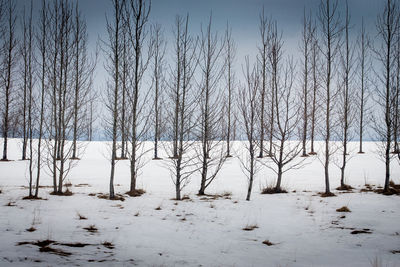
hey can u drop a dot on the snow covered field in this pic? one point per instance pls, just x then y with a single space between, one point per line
154 230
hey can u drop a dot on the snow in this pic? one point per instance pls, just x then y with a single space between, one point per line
305 229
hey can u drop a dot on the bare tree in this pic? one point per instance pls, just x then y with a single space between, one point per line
9 60
248 102
395 109
329 48
113 50
388 27
230 53
184 101
61 94
315 87
42 43
159 44
346 113
27 54
287 146
124 76
263 50
211 110
136 15
84 67
363 62
308 33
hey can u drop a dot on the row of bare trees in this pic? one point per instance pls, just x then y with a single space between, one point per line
188 94
196 98
47 78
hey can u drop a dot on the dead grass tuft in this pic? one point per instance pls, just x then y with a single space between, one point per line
135 193
361 231
32 198
273 190
250 227
330 194
108 245
91 228
343 209
55 251
106 196
31 229
80 216
67 193
268 243
10 204
345 187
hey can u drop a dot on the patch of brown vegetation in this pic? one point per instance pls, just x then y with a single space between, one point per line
80 216
91 228
345 187
391 191
250 227
32 198
361 231
10 204
55 251
268 243
343 209
273 190
135 193
330 194
31 229
106 196
67 193
74 245
108 245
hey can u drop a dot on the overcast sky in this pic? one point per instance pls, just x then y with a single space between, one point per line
242 15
